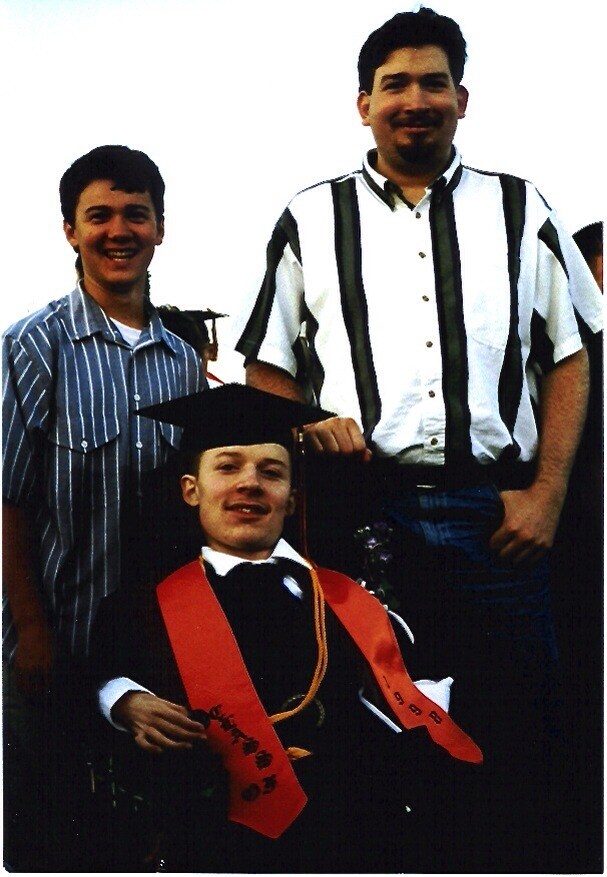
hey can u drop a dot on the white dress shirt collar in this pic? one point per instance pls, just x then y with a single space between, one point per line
223 563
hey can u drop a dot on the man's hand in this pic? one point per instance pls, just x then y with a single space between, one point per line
34 658
337 435
529 525
156 724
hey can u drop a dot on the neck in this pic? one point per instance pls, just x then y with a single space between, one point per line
240 554
412 179
126 305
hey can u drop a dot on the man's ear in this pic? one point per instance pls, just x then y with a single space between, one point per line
291 503
362 103
159 231
68 231
189 489
462 100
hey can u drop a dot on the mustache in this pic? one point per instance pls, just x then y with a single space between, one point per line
422 119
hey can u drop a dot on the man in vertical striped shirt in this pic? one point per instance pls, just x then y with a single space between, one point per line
442 312
74 374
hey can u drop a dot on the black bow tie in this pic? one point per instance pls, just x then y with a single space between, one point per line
270 573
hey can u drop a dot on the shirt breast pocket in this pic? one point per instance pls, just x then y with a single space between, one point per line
84 463
487 318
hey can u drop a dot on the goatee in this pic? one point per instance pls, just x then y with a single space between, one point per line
419 154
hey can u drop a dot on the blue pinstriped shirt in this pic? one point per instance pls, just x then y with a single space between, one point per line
74 450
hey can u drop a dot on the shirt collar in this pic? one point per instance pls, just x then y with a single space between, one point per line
223 563
386 190
87 319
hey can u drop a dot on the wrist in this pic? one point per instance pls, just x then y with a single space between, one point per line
550 490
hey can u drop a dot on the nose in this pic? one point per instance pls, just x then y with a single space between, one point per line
415 97
249 479
118 227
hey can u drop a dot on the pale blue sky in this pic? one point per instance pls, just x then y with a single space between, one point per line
241 104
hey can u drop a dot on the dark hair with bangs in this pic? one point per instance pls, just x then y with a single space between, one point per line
128 169
423 28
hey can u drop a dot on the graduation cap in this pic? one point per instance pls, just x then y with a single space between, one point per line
234 414
190 324
207 314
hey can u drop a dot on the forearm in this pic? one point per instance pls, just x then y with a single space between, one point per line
563 401
272 379
20 575
531 516
35 652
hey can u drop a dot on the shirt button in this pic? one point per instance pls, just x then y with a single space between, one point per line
136 397
422 255
418 215
433 441
428 344
84 444
425 298
139 445
432 394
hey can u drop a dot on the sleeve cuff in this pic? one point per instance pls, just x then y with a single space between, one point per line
111 692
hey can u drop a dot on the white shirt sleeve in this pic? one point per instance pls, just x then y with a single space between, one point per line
111 692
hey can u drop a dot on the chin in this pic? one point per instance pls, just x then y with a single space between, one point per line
252 546
418 154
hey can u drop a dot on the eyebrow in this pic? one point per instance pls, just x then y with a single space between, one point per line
400 77
128 206
238 455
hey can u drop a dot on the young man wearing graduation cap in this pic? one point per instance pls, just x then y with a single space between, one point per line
241 682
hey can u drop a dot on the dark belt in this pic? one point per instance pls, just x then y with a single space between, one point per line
394 477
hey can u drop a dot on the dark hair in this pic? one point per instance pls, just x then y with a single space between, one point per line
185 325
423 28
590 240
128 169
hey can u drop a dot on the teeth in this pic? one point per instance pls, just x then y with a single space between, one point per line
120 254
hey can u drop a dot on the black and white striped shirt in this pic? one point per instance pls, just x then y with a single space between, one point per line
429 326
74 449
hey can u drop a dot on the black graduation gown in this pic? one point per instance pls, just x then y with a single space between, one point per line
370 790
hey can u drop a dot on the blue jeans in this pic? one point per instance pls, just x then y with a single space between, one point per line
486 622
459 524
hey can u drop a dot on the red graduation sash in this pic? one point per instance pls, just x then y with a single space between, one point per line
265 794
369 625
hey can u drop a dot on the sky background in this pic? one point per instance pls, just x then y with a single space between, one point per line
241 104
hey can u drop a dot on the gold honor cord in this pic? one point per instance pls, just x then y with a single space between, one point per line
299 455
323 656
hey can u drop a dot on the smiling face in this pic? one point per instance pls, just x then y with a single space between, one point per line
243 494
115 233
413 110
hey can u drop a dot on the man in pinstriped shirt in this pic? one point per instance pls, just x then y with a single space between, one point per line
442 310
74 455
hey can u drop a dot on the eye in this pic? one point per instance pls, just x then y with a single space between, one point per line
98 216
435 84
226 467
138 215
